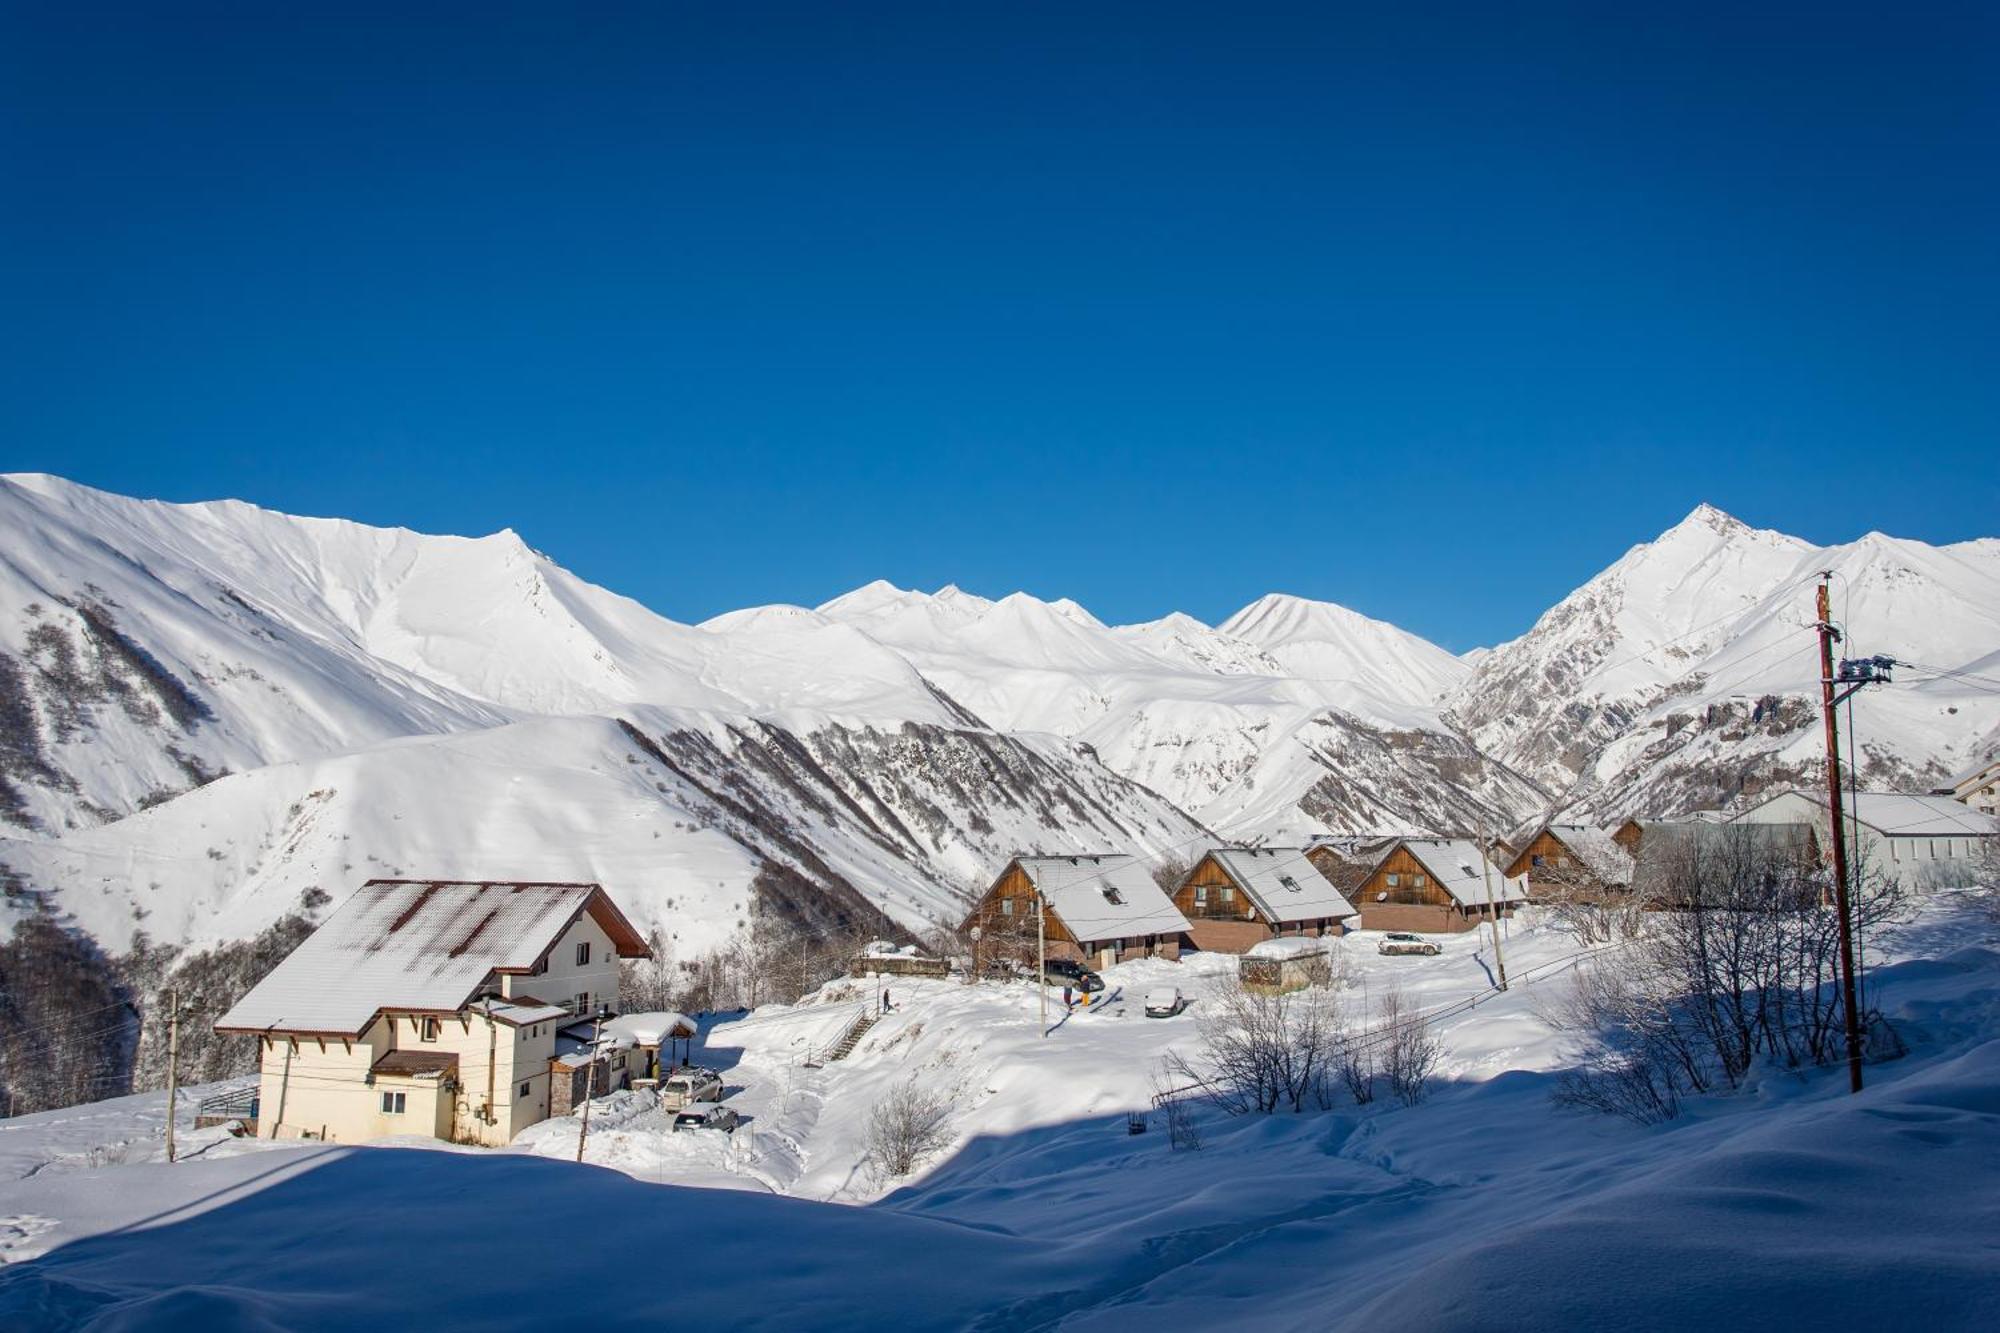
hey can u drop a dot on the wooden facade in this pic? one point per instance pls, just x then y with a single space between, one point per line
1223 918
1400 894
1548 860
1006 920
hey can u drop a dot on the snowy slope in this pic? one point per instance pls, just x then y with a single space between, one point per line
1788 1203
1685 675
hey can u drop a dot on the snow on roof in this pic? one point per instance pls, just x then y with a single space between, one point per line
523 1010
1282 882
416 945
1292 946
1455 864
1107 896
1894 814
652 1028
1971 775
1593 846
1900 814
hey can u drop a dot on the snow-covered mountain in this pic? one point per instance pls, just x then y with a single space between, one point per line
1685 676
209 711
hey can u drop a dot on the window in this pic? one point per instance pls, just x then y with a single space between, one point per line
1535 861
1417 880
1394 879
1289 883
580 1005
1200 894
524 1089
392 1103
1006 907
583 953
1228 894
427 1029
1112 896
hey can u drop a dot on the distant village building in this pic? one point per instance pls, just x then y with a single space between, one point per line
1676 862
1236 897
1436 884
1921 842
1280 966
1978 786
434 1008
1098 910
1572 858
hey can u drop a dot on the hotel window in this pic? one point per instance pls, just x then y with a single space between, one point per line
392 1103
524 1089
580 1005
427 1029
583 954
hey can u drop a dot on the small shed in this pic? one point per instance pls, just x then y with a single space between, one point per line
1281 966
651 1033
881 958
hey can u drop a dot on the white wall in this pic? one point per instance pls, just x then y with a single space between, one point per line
565 979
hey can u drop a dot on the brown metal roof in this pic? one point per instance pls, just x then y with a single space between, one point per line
415 1062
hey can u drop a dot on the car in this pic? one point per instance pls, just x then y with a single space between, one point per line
1400 942
708 1116
1064 972
1164 1002
685 1087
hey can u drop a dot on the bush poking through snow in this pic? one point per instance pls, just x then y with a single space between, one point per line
1409 1050
907 1126
1261 1051
1746 971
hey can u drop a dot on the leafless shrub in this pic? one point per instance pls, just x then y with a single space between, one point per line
1409 1050
1744 969
1357 1066
908 1125
1171 1096
1260 1050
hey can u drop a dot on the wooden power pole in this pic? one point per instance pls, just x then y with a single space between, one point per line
1486 876
590 1081
173 1062
1850 1005
1042 961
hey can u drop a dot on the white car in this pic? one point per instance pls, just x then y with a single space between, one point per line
1164 1002
685 1087
1401 942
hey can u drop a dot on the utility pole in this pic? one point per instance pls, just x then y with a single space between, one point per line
1486 876
590 1081
1851 1010
173 1062
1042 961
492 1056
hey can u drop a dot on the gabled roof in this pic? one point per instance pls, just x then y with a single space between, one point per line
1900 814
418 945
1282 883
1593 846
1107 896
1455 864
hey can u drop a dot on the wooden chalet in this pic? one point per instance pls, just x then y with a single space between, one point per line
1097 910
1237 897
1435 885
1572 858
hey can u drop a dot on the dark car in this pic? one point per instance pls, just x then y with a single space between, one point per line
1064 972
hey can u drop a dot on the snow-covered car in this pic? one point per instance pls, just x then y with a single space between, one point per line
1164 1002
1400 942
707 1117
685 1087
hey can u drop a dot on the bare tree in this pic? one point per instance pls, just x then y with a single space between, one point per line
1261 1050
1409 1050
1171 1096
1744 967
908 1125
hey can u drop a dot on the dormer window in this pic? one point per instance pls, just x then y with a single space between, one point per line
1112 896
1289 883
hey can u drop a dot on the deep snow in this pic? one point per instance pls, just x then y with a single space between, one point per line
1784 1205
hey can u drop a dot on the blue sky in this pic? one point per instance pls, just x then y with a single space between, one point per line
1432 315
